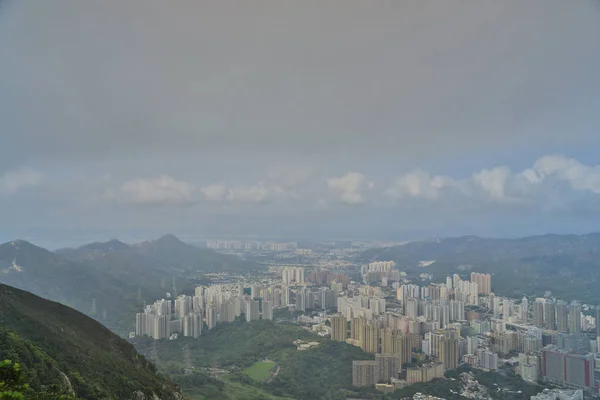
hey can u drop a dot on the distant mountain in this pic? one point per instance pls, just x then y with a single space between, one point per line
178 255
109 281
94 249
57 345
567 265
81 284
167 254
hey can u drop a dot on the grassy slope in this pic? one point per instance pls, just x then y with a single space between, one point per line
260 371
47 337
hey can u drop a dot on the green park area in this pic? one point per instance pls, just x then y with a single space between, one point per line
260 371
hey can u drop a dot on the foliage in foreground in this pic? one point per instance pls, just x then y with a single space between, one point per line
56 346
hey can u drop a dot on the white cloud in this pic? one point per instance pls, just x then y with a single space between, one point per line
248 194
500 184
214 192
578 175
493 182
349 187
258 193
12 182
161 190
419 183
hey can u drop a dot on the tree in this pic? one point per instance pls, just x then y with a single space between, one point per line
12 385
11 381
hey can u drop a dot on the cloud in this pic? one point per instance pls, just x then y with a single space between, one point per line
163 190
561 168
258 193
494 182
12 182
214 192
349 187
534 185
419 183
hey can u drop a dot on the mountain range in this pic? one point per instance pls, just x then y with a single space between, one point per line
111 280
566 265
60 348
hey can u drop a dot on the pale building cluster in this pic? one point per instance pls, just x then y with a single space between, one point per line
250 245
292 276
380 271
189 315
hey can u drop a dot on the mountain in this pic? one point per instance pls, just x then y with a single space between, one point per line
111 280
181 256
566 265
94 249
167 254
103 287
59 346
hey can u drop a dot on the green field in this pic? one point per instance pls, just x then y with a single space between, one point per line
260 371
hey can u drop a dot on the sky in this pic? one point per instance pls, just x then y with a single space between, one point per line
338 119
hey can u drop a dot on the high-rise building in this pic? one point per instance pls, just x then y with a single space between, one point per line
370 340
267 310
425 373
211 316
597 315
562 324
528 367
364 373
192 325
538 313
141 324
483 281
252 310
357 328
568 369
339 327
489 360
387 367
507 309
574 317
412 310
524 309
285 296
532 344
550 315
183 306
449 353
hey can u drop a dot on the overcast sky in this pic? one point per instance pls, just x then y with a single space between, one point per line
325 119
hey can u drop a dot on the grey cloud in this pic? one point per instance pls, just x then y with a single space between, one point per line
160 190
335 79
13 181
258 109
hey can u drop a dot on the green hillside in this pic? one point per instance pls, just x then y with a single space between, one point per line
566 265
113 276
57 345
317 373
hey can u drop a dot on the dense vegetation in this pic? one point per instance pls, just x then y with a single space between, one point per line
56 346
566 265
13 385
311 374
239 344
112 277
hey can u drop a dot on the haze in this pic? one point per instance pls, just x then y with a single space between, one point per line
338 119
